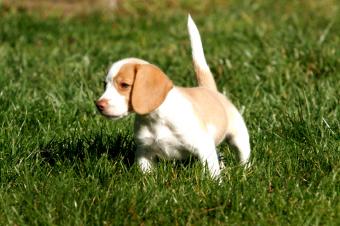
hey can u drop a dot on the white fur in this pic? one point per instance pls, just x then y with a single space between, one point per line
196 45
117 106
173 132
115 67
240 138
117 103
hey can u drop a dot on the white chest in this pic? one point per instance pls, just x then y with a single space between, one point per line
172 131
162 139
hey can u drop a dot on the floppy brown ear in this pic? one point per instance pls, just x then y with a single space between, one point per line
150 88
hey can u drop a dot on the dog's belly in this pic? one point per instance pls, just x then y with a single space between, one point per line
168 150
163 142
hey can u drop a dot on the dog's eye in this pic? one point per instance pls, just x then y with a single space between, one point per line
124 85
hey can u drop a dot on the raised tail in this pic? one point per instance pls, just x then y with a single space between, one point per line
203 74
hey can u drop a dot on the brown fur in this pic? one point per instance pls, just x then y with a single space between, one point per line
150 88
125 76
211 107
147 86
204 77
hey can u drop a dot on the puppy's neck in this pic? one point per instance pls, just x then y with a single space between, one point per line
164 110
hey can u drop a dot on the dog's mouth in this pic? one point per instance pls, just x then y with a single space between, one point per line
112 116
108 111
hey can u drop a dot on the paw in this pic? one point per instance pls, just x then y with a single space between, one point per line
145 165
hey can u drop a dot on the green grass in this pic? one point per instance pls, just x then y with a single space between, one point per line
63 164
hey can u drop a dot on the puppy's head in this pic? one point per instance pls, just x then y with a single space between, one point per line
133 85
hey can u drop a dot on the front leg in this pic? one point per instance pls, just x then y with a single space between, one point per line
144 159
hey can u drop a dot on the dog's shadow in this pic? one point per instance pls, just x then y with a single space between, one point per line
117 147
121 146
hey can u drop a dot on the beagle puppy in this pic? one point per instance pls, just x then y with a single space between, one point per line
173 122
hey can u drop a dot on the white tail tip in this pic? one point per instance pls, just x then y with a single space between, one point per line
196 45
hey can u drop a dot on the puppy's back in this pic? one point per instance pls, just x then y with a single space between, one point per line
213 109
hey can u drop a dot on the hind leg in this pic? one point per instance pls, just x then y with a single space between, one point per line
241 142
239 138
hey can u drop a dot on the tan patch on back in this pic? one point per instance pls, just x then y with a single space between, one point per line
210 107
204 78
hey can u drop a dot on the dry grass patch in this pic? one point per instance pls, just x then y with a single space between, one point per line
68 8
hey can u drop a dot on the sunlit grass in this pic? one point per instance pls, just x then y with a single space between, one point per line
63 164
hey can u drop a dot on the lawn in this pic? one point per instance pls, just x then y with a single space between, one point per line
61 163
